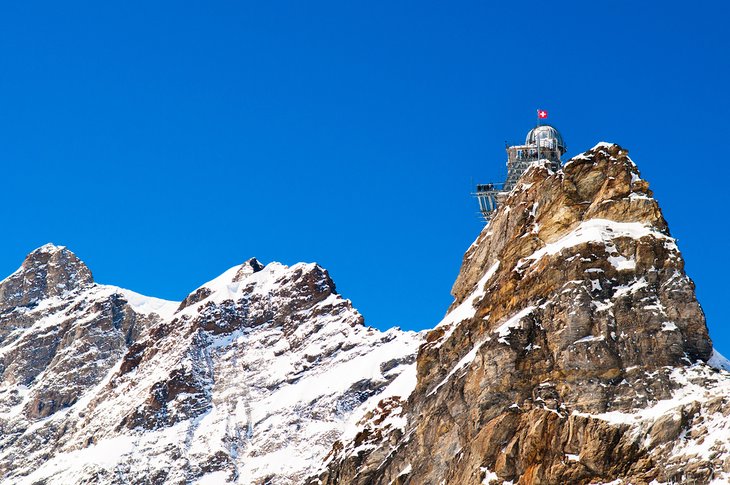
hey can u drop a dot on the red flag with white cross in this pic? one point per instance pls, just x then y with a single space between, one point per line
541 114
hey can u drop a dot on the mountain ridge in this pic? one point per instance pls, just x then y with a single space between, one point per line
127 388
574 351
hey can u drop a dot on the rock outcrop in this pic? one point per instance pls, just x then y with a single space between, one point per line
249 380
574 352
59 334
47 272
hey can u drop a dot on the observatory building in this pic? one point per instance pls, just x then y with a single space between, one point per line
542 143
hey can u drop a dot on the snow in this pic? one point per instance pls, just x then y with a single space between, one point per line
602 144
584 156
214 478
590 338
718 361
406 470
696 383
623 290
467 308
224 287
272 401
105 454
637 196
489 476
600 230
402 387
146 304
503 331
335 379
287 390
621 263
602 306
49 248
463 362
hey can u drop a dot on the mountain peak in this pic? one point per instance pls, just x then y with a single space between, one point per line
572 307
48 271
49 248
604 144
248 268
269 359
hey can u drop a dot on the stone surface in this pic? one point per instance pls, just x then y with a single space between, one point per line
568 354
249 380
49 271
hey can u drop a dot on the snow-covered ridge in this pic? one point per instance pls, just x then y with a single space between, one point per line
603 144
467 308
146 304
603 231
605 148
258 377
49 248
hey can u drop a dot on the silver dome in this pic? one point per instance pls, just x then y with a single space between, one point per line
546 132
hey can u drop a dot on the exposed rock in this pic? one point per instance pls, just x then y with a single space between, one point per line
60 332
251 379
574 352
49 271
572 316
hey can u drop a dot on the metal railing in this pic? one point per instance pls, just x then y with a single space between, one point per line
487 195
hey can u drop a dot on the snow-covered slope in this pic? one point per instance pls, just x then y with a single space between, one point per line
249 380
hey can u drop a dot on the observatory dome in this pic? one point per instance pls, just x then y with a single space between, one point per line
546 132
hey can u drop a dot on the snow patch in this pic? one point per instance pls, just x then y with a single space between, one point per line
590 338
718 361
467 308
147 304
599 230
505 329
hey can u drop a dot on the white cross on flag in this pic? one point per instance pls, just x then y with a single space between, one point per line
542 114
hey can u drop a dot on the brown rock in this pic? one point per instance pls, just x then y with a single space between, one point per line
587 312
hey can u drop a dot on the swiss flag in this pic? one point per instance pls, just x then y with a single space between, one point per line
542 114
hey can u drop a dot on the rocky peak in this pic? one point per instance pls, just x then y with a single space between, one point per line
248 268
48 271
585 256
250 380
571 307
602 183
231 277
310 281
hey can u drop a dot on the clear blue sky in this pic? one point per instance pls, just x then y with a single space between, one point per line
164 142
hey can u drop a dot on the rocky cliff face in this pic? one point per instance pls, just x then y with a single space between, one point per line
249 380
60 334
47 272
574 352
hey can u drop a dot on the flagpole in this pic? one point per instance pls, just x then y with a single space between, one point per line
537 140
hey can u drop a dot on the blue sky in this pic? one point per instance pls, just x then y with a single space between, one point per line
164 142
